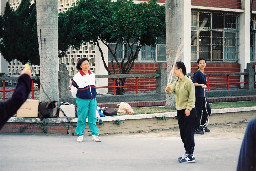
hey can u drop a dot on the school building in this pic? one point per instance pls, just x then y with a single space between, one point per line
222 32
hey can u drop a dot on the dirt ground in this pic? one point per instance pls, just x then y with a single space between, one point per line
228 125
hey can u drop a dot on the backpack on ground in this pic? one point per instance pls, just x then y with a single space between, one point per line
109 112
47 109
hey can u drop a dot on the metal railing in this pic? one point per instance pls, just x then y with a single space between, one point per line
227 81
5 79
114 86
209 76
136 76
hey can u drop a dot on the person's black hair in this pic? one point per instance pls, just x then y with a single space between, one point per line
182 66
79 63
200 59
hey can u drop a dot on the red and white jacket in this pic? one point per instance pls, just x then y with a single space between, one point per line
83 85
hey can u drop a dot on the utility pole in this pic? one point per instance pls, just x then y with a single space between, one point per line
178 38
47 30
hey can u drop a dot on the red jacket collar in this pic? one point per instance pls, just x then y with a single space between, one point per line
82 73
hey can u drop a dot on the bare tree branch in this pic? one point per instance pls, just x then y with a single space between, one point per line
102 57
113 54
133 59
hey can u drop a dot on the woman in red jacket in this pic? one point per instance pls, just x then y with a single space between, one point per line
84 90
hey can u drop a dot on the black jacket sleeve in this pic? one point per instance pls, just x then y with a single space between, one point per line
247 156
20 95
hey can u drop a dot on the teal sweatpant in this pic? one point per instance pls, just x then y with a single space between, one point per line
86 107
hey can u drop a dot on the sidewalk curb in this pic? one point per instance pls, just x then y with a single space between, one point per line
108 125
234 110
128 117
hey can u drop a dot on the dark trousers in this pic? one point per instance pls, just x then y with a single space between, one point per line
202 115
187 129
247 157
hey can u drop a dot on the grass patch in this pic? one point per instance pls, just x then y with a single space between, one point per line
162 109
222 105
148 110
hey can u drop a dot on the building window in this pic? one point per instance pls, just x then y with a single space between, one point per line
252 48
217 46
214 36
230 45
204 20
148 53
194 19
129 51
217 20
119 51
161 52
194 45
253 39
204 44
231 21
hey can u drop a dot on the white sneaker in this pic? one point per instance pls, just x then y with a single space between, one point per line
96 138
80 138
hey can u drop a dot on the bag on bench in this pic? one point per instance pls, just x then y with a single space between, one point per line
47 109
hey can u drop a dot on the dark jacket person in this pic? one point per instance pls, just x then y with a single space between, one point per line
20 95
247 156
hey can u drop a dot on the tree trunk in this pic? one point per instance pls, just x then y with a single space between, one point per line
120 90
47 30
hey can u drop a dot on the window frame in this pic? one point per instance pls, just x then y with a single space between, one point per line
197 29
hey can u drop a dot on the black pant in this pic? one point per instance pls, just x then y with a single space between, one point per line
201 109
187 129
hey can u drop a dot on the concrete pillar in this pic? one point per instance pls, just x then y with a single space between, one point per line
250 77
244 36
100 69
3 62
47 30
178 36
64 79
162 80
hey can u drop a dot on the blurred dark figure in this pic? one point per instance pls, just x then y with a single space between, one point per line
247 157
20 95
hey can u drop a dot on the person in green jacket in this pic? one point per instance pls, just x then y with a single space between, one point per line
184 91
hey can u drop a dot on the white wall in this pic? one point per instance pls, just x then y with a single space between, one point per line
244 35
187 35
100 69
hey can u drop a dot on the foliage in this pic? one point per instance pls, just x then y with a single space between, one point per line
148 110
118 122
215 105
43 127
101 122
19 33
162 118
122 22
22 129
67 33
222 105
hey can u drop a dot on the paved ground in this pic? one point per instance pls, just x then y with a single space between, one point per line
115 153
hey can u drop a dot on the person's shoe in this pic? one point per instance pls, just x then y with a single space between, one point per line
80 138
188 158
96 138
199 131
206 129
183 156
